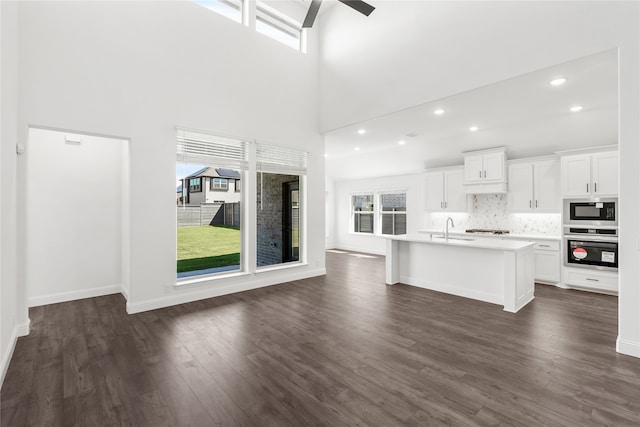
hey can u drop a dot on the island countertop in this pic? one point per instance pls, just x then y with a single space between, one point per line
466 241
491 270
514 236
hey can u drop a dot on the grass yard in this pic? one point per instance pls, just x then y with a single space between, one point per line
205 247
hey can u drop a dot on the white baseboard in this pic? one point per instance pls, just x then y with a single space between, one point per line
124 292
363 249
19 330
629 348
453 290
74 295
186 295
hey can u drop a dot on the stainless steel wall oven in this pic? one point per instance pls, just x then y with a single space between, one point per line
591 248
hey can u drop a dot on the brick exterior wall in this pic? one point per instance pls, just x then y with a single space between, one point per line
269 217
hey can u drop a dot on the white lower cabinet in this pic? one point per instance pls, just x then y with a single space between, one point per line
547 261
593 280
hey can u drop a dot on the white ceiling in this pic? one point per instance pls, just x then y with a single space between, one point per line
525 114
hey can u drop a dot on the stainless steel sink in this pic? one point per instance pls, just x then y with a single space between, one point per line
453 238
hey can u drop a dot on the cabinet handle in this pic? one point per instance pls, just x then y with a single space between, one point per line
441 205
529 203
587 187
445 204
480 174
485 174
592 280
595 187
544 246
536 203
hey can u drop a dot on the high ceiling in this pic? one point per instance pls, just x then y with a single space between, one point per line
526 114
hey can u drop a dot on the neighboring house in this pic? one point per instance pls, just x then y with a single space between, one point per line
210 185
179 195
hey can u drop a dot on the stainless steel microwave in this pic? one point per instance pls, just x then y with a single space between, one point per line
595 212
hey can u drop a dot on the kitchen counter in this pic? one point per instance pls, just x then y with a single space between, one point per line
494 236
498 271
470 240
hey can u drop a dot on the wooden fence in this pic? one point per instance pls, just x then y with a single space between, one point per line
209 214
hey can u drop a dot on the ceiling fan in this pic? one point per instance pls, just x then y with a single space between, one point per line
358 5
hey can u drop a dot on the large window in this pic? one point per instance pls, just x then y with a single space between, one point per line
232 9
363 213
279 203
209 232
393 213
278 26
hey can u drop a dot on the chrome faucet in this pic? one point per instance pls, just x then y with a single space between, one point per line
446 228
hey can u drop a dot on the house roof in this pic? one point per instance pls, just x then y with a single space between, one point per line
228 173
215 173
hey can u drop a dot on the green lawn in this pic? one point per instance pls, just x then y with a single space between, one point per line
207 247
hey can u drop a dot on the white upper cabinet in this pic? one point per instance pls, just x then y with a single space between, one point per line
485 171
520 195
473 168
546 191
455 197
434 182
533 187
604 173
590 175
445 191
494 167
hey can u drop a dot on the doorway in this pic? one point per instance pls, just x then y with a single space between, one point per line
76 216
291 221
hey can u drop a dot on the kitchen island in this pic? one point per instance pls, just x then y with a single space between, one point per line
494 271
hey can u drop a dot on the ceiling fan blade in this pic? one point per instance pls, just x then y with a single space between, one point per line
311 14
359 5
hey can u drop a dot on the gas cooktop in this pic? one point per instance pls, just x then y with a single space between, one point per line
486 231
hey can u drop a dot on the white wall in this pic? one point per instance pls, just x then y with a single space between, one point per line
408 53
13 312
344 238
74 217
138 69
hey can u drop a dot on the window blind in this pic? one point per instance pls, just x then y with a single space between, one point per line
211 150
273 159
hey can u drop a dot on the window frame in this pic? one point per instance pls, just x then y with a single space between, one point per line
355 213
280 22
393 213
236 5
213 187
195 188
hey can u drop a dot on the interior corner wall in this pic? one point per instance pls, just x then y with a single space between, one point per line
13 314
439 49
138 70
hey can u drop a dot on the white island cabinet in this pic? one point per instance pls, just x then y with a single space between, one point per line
495 271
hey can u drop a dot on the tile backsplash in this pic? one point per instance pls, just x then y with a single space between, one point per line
490 211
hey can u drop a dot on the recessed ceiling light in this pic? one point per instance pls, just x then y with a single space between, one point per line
558 82
356 148
439 112
473 128
401 142
575 108
361 131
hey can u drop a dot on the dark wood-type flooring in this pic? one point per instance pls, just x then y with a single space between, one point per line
339 350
